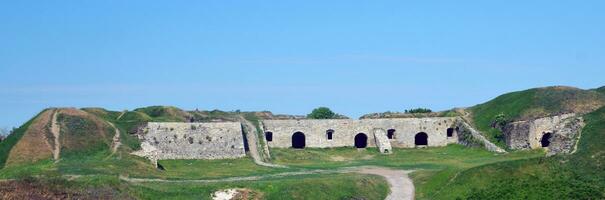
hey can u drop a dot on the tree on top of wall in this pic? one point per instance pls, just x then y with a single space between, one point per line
321 113
418 110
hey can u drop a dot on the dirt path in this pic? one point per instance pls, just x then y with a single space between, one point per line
55 129
400 184
116 139
233 179
253 143
121 114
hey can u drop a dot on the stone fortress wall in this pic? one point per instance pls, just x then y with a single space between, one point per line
220 140
173 140
400 132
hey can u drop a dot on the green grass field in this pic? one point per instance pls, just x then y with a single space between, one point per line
434 168
335 186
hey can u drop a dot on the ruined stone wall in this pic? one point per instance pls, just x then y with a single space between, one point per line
468 136
192 141
345 131
527 134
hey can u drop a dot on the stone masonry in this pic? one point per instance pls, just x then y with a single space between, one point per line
564 130
344 131
173 140
382 141
192 141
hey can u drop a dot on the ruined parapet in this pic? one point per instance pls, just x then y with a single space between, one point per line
558 133
382 141
468 136
161 141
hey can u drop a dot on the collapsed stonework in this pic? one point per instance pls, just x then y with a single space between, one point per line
557 134
174 140
470 137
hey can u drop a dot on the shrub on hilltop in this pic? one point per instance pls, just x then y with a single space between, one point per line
324 113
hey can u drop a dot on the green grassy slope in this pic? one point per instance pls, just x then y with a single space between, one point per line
601 90
7 144
81 136
164 113
577 176
533 103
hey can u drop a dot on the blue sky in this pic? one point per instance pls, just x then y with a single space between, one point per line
288 57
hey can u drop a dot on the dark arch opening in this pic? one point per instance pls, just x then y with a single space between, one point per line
450 132
298 140
329 134
545 141
391 133
361 140
421 139
269 136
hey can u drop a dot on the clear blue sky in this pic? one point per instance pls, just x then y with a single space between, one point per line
353 56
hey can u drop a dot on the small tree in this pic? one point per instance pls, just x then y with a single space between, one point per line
321 113
499 121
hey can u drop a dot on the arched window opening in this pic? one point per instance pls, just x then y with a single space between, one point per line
361 140
421 139
329 134
269 136
298 140
391 133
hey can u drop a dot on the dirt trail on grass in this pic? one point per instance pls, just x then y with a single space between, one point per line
115 144
253 143
233 179
121 114
400 184
55 129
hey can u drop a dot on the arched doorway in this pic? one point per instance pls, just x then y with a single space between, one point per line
421 139
298 140
391 133
545 141
450 132
269 136
361 140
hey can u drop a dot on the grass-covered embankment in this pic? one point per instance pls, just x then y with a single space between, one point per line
577 176
533 103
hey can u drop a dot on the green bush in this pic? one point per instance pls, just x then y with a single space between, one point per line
418 110
321 113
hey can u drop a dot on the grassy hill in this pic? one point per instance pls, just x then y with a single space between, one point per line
533 103
9 143
164 113
577 176
601 90
83 134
